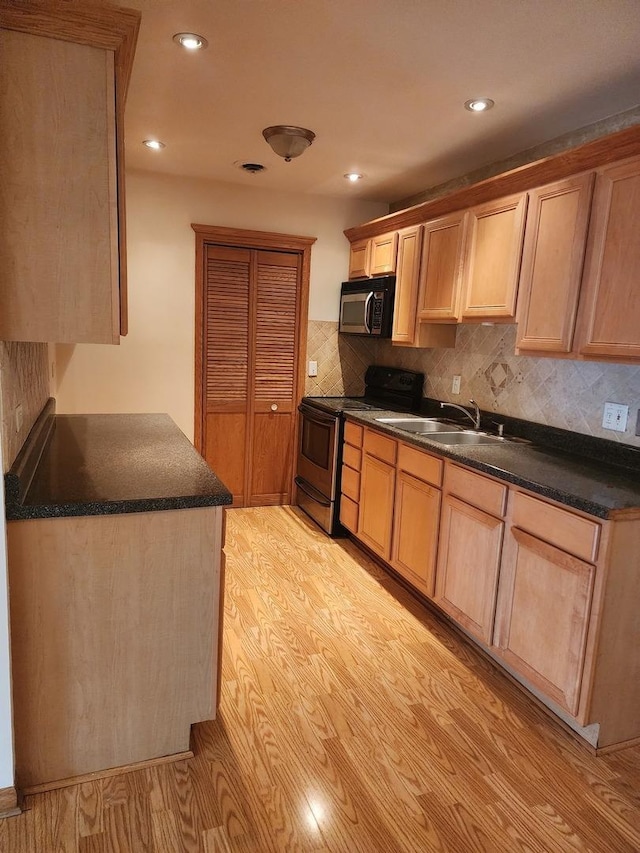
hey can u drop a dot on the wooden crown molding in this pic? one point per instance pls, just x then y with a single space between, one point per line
591 155
257 239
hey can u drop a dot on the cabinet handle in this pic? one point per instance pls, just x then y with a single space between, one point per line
274 407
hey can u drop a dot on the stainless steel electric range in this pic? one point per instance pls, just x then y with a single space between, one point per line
321 430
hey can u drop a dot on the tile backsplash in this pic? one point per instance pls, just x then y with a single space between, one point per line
24 379
558 392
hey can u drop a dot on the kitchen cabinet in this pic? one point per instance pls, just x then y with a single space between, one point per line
609 318
350 479
442 267
552 263
377 490
416 517
407 328
470 549
62 256
492 259
375 256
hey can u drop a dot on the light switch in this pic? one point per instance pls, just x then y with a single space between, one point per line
615 417
313 368
455 385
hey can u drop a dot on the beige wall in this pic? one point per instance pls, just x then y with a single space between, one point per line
152 369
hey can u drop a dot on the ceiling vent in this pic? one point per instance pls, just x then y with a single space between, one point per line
252 168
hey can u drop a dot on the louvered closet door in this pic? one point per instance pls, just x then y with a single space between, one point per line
227 306
274 368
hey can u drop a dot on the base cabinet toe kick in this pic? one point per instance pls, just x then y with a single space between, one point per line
550 593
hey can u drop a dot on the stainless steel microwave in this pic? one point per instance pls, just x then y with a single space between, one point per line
366 307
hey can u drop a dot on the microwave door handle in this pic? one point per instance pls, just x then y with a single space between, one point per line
367 312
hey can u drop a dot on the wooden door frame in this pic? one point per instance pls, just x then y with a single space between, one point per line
245 239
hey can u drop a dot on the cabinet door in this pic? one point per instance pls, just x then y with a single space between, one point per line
359 259
376 505
610 303
59 267
415 535
552 261
404 312
543 616
492 259
468 565
384 249
441 273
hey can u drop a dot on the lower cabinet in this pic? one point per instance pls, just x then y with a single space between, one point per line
415 536
544 610
376 505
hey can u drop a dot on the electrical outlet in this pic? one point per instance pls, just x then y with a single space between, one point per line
455 385
615 417
18 416
313 368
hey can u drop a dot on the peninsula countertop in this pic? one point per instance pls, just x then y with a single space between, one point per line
588 484
77 465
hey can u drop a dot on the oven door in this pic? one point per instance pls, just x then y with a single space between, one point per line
318 450
355 313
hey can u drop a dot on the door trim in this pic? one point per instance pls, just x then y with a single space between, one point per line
245 239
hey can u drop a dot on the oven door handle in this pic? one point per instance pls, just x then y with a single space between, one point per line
314 494
314 415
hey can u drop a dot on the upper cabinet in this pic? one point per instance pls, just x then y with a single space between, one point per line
62 261
492 259
441 273
552 261
376 256
610 303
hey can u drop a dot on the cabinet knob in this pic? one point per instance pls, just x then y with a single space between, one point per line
274 407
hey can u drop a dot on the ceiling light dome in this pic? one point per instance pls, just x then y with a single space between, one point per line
288 141
191 41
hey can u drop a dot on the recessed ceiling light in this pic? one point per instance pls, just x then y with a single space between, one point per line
478 105
190 41
155 144
354 177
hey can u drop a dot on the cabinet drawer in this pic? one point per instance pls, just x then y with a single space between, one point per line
352 457
419 464
349 513
350 483
476 490
559 527
380 446
353 434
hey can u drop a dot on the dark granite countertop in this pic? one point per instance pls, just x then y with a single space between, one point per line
599 488
74 465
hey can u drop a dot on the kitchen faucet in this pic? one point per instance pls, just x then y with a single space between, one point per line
475 419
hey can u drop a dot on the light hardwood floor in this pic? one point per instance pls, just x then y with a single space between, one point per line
352 719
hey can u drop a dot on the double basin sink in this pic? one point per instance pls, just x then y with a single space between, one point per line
441 431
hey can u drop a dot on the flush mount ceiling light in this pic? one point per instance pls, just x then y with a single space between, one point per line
288 141
354 177
190 41
479 105
154 144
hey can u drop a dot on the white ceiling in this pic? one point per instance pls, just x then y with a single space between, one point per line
381 82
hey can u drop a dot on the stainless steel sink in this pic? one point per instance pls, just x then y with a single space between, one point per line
420 426
467 437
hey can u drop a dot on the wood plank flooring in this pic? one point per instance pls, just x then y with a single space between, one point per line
352 719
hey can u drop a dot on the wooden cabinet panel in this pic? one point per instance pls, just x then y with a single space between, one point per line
404 312
468 566
353 434
376 505
610 302
415 535
568 531
225 437
380 446
359 259
543 616
349 513
350 483
59 264
441 272
352 457
552 262
476 489
419 464
492 259
382 258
